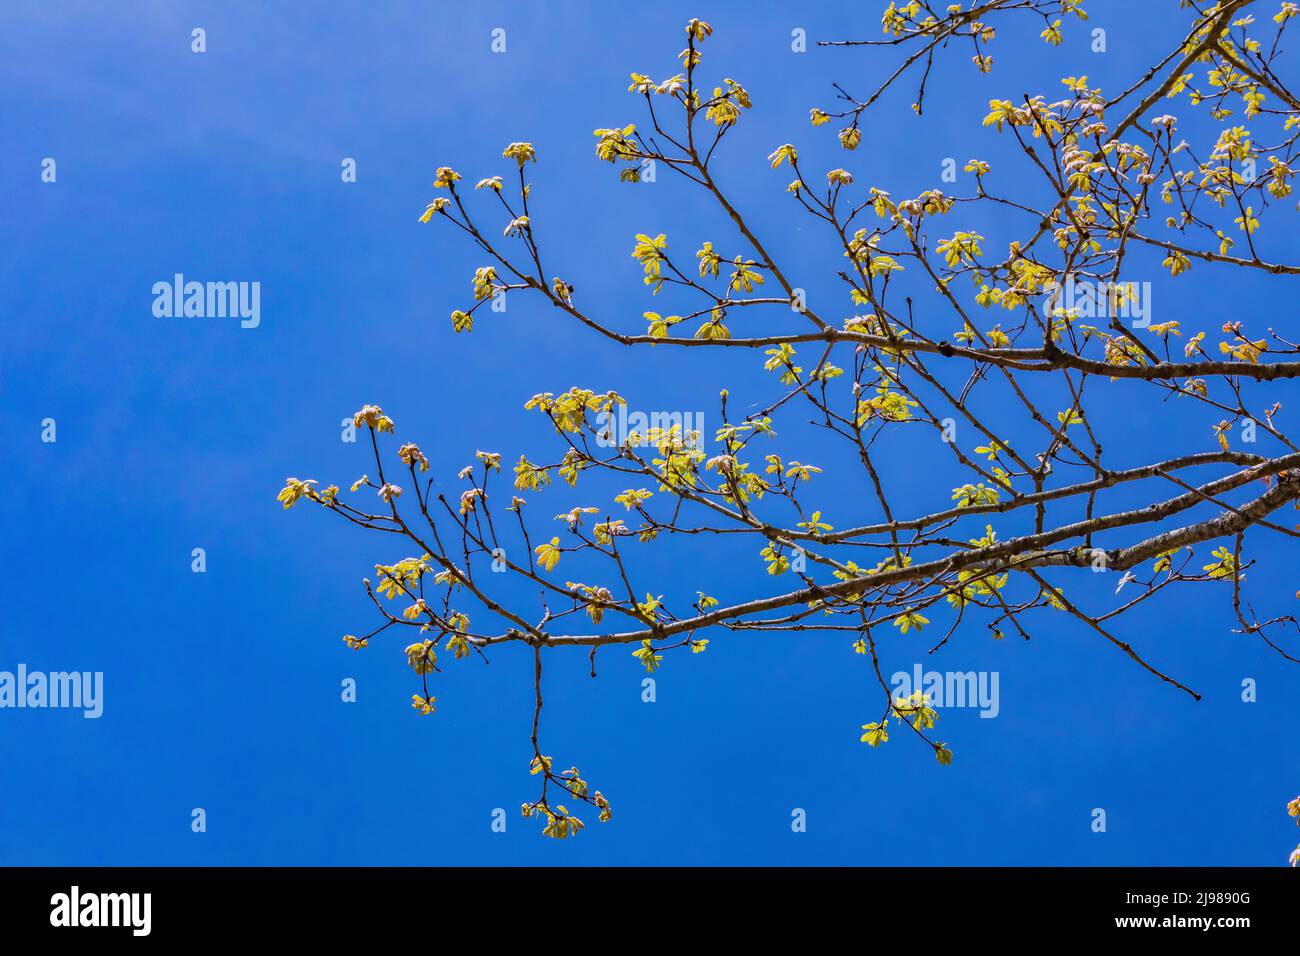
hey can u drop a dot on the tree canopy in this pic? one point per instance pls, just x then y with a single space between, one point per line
999 351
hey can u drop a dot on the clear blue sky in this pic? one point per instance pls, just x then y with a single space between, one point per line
222 690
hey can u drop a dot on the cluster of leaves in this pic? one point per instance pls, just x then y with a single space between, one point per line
1105 164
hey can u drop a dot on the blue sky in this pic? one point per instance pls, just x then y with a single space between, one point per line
222 689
